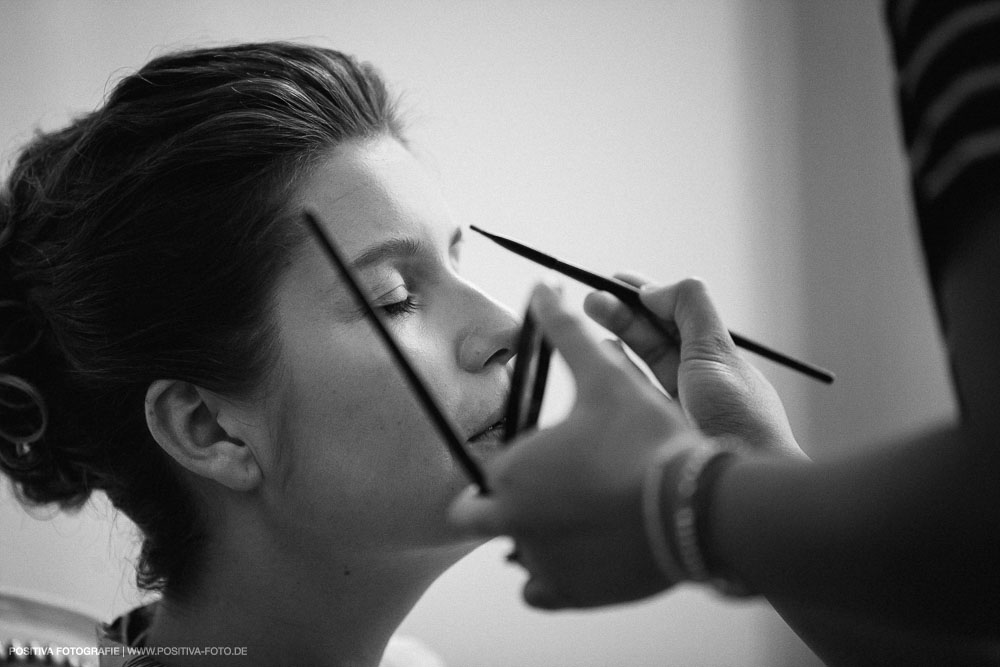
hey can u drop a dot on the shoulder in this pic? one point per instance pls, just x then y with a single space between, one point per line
948 83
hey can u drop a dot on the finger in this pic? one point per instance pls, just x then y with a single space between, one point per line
636 330
688 304
608 311
589 363
615 316
660 354
541 596
475 514
617 348
633 278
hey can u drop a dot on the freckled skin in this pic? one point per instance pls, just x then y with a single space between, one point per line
361 461
319 561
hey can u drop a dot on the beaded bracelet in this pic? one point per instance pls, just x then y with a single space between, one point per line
656 532
685 533
679 553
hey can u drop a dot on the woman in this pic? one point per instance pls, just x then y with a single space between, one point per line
173 338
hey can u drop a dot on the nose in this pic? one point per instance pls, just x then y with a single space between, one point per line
489 336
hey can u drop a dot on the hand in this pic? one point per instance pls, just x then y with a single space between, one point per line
720 392
571 495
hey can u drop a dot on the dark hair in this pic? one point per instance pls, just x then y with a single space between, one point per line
143 242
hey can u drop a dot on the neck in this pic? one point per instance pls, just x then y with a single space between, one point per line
287 610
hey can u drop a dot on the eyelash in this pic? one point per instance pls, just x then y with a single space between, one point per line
401 308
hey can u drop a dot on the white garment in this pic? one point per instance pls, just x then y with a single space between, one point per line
403 651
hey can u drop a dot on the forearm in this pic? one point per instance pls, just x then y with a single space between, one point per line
854 640
905 533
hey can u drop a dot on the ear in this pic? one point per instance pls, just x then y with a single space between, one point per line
185 421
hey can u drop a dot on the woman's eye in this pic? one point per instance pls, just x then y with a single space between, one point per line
398 302
402 307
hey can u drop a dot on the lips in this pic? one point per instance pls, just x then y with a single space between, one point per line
491 432
491 427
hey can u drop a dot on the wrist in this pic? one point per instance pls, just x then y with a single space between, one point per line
714 570
678 526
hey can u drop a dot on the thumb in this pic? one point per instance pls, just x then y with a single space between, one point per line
585 357
475 514
688 304
540 596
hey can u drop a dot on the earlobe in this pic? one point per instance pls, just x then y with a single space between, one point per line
185 422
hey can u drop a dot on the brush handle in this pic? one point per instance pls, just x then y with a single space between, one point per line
629 295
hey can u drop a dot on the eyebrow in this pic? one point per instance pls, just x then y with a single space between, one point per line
402 247
397 247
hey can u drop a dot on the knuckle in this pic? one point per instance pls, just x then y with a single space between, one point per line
692 286
717 346
691 294
725 422
620 317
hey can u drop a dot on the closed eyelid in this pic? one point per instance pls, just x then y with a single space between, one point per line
376 286
399 291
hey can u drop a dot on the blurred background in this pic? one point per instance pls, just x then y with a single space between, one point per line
752 143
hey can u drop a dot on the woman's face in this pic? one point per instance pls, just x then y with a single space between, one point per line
352 461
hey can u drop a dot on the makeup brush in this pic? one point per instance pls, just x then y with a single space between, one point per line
629 295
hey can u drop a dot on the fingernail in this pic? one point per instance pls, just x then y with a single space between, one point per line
549 292
457 511
554 284
615 343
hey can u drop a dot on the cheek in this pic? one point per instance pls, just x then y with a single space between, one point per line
357 445
358 413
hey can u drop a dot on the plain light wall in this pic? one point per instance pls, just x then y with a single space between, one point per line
672 138
870 310
867 311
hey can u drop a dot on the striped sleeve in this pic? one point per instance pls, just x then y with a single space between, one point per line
947 57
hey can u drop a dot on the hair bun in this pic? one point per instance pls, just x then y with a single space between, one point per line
23 415
41 472
26 453
24 418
